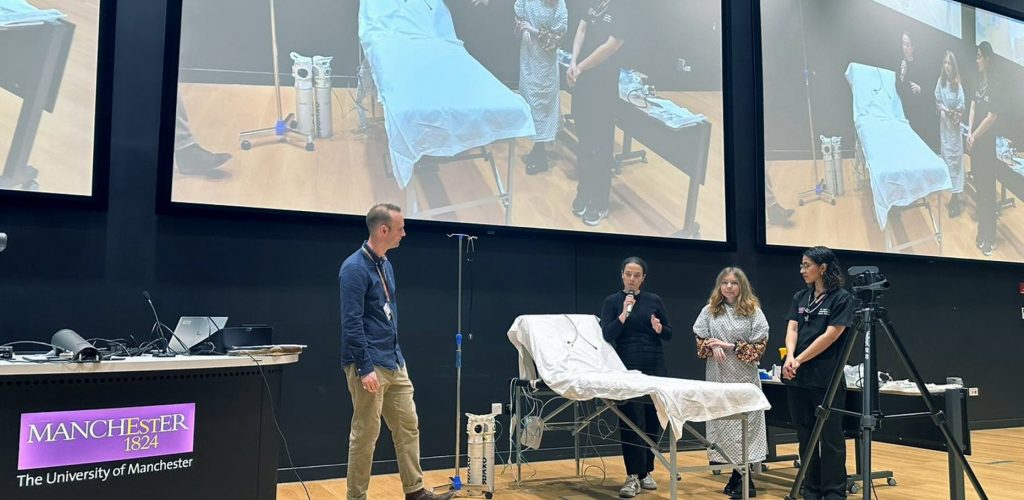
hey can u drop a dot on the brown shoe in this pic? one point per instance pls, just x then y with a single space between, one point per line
423 494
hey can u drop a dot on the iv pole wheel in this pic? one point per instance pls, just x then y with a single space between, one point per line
716 472
801 203
854 488
310 146
891 481
246 145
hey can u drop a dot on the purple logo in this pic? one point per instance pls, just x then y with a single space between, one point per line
58 438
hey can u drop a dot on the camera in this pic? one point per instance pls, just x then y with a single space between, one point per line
866 280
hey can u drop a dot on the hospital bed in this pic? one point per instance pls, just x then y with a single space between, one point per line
903 171
568 355
440 104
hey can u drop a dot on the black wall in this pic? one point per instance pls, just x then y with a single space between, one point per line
85 270
834 33
671 30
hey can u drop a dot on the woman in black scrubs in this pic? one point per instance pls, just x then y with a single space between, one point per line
981 143
818 317
594 75
636 324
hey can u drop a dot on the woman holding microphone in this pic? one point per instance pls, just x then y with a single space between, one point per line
636 324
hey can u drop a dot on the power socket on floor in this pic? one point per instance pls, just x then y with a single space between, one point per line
495 408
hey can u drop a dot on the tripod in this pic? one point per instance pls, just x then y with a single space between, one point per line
871 317
284 127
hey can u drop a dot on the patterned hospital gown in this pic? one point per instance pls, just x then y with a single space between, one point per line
538 65
750 334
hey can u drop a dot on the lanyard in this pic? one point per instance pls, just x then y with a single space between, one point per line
383 281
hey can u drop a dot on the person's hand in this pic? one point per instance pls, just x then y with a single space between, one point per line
789 369
370 383
915 88
718 354
656 324
572 74
970 141
630 300
721 344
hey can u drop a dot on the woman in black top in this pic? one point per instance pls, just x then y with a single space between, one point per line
818 316
594 76
917 103
636 324
981 143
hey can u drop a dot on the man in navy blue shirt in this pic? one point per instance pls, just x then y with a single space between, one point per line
374 367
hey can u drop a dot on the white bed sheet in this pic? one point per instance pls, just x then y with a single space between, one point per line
438 100
903 168
569 353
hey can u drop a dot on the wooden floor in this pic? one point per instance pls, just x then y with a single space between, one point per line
998 460
63 145
347 173
851 224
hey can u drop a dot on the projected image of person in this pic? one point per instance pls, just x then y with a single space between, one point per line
189 156
593 73
949 100
910 77
732 333
541 25
636 323
818 316
981 143
775 213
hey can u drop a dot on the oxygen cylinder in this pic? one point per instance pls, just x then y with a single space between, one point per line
302 71
322 84
480 431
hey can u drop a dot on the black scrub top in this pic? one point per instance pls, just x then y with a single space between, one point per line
813 318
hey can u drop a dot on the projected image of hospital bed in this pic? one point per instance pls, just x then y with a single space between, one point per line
568 355
903 170
440 104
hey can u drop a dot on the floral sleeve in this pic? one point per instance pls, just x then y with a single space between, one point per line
703 351
751 350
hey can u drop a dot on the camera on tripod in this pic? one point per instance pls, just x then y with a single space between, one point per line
867 282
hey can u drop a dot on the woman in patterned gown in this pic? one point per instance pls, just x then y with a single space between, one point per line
541 25
732 333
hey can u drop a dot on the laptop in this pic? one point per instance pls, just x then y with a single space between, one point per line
194 330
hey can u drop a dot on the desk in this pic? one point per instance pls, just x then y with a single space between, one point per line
33 60
232 448
918 433
685 148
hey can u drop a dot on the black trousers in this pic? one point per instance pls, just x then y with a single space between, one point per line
826 472
593 102
636 453
984 180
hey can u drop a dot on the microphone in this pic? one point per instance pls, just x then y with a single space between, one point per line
629 308
160 326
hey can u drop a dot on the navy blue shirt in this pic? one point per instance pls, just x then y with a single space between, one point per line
368 336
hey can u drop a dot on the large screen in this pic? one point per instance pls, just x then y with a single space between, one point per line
466 111
49 54
893 127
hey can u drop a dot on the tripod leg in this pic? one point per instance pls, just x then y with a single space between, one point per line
823 412
937 417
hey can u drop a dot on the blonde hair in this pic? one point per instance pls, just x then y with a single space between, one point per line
746 304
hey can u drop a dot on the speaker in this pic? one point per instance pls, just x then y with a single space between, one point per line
240 336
